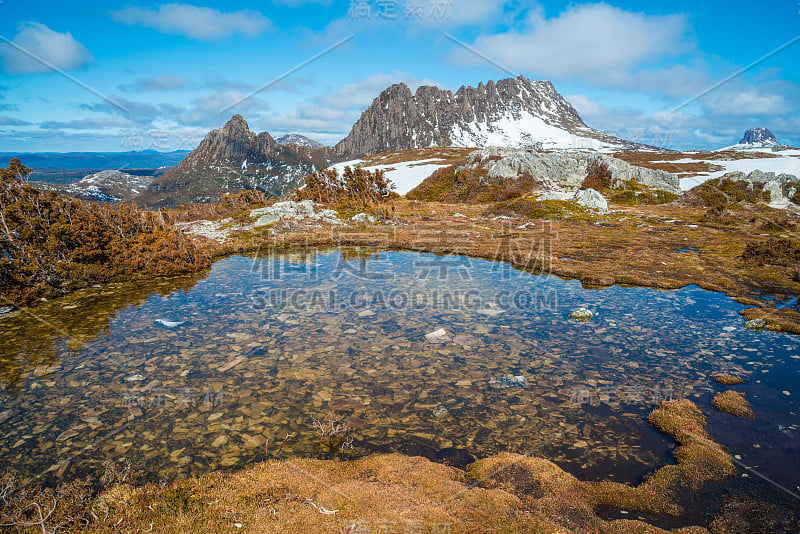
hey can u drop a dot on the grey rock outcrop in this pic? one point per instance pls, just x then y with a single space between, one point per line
564 170
589 198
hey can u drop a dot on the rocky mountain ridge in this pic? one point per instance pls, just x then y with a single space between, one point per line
512 113
233 158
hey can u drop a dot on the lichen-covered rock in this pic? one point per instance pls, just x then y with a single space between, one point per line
582 314
755 324
591 199
563 170
363 218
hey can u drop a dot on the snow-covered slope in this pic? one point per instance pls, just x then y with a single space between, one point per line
405 176
788 163
526 131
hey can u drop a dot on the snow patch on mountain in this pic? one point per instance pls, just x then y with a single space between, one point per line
523 130
405 176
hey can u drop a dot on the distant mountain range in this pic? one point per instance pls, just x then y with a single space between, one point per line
515 113
147 159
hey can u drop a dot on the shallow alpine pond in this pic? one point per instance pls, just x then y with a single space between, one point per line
443 356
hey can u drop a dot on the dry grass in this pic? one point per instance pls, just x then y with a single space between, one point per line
728 380
440 155
734 403
503 493
698 164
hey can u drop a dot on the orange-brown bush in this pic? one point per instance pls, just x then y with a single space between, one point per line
784 252
470 186
356 190
226 206
50 245
598 176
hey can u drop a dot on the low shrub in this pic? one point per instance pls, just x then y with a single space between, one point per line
355 191
51 245
782 252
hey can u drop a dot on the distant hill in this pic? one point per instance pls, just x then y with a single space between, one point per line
298 139
146 159
757 138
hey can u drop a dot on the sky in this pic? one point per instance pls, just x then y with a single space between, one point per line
141 75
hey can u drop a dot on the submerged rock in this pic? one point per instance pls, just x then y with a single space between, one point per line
504 382
582 314
438 336
170 325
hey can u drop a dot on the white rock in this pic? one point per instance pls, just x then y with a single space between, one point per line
437 336
363 218
581 314
591 199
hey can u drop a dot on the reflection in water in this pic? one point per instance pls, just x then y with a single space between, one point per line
36 337
268 343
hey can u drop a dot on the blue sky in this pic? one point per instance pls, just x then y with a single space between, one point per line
153 75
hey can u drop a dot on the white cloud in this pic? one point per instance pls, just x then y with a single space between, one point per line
361 94
748 102
596 42
87 124
206 111
11 121
299 3
35 40
332 115
585 106
201 23
165 82
139 112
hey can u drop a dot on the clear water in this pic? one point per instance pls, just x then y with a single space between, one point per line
268 343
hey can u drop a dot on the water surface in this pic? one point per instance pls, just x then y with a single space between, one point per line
268 343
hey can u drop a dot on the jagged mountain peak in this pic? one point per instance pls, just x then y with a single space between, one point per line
233 158
758 136
512 112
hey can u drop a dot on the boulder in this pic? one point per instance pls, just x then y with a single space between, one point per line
591 199
363 218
